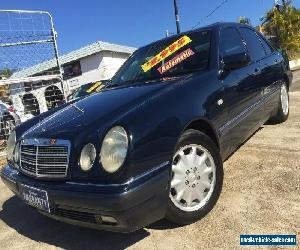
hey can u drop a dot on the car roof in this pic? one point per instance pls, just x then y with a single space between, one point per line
216 25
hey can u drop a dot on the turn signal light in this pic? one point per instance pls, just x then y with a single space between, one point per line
104 219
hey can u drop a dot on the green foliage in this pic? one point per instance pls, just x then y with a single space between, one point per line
244 20
6 72
284 24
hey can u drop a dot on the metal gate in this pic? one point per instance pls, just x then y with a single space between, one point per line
30 73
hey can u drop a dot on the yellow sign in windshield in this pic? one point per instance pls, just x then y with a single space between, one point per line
92 88
178 44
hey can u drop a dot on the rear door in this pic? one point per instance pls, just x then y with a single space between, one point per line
269 65
273 73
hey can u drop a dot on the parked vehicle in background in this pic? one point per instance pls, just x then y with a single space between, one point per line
87 89
8 120
153 142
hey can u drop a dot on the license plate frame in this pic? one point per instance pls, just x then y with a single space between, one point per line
35 197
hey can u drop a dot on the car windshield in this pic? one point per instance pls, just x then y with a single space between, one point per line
170 57
87 89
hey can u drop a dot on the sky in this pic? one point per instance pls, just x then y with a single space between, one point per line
134 22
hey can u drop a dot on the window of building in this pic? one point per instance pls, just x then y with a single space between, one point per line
72 70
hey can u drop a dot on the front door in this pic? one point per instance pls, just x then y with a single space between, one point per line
242 89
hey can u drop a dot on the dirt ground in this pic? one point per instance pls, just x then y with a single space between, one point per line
261 195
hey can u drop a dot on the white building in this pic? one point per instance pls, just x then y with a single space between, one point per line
98 61
94 62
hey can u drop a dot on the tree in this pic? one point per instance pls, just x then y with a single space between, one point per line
6 72
244 20
284 24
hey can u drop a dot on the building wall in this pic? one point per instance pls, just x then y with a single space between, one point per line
100 66
295 64
18 91
111 63
39 93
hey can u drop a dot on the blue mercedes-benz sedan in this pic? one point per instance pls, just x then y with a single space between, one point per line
152 143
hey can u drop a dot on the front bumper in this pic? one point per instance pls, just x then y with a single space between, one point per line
133 204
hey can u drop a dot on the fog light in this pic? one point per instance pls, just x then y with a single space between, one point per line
87 157
108 219
98 219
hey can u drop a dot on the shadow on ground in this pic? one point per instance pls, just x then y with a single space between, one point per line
29 223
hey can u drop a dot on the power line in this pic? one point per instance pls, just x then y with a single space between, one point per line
210 13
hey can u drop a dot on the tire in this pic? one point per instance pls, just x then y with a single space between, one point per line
194 177
283 106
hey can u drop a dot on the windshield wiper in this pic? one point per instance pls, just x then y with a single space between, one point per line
111 85
168 75
184 72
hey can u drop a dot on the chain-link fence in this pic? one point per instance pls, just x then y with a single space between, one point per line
30 74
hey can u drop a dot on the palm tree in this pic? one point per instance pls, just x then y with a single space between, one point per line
244 20
284 24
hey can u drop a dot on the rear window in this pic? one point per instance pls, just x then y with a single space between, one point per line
255 48
269 50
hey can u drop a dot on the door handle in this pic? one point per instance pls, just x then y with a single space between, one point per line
220 102
257 71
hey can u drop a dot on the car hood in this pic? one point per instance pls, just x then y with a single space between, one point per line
100 108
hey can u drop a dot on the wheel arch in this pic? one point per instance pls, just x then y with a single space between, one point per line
203 125
287 80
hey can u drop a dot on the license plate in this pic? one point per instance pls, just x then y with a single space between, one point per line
35 197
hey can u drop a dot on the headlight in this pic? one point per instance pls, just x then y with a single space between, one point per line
114 149
87 157
11 143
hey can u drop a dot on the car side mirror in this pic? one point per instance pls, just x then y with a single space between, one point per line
235 61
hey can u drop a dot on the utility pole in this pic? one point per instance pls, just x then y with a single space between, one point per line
176 16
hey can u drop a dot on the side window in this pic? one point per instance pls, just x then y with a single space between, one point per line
255 48
231 42
267 46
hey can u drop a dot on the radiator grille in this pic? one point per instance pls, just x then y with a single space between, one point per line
44 160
